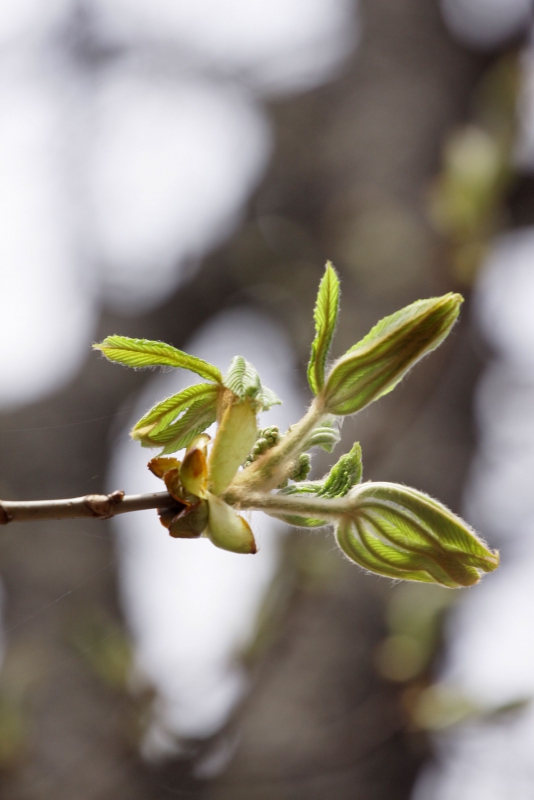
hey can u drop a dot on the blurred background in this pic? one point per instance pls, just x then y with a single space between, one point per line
181 171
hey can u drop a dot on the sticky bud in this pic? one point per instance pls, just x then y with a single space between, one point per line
227 529
191 522
375 365
194 469
402 533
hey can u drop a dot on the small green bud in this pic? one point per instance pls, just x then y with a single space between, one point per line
189 523
302 468
228 530
403 533
375 365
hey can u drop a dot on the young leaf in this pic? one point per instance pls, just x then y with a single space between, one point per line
326 436
146 353
325 316
243 380
181 433
343 475
403 533
162 414
375 365
266 398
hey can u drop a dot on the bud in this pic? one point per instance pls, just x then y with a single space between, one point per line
194 468
189 523
228 530
234 440
402 533
375 365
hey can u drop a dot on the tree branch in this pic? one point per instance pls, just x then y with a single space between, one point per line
99 506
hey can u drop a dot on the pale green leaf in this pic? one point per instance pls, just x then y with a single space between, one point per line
146 353
266 398
374 366
243 380
326 436
325 316
228 530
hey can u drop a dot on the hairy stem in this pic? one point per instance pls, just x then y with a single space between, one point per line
272 468
289 505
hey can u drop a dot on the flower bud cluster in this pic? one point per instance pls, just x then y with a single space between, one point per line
302 468
267 438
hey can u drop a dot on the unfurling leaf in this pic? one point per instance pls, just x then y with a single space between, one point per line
226 529
375 365
181 433
403 533
146 353
343 475
164 413
243 380
325 316
235 436
326 436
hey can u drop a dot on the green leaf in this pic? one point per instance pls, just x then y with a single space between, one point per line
244 381
242 378
325 316
180 434
403 533
146 353
375 365
162 414
343 475
350 543
339 481
267 398
326 436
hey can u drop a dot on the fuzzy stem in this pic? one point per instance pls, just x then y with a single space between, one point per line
99 506
293 504
272 468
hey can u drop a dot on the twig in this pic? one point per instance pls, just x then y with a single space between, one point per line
101 506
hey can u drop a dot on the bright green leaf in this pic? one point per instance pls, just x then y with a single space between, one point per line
343 475
181 433
162 414
325 316
146 353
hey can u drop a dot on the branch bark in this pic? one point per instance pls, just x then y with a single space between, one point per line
99 506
